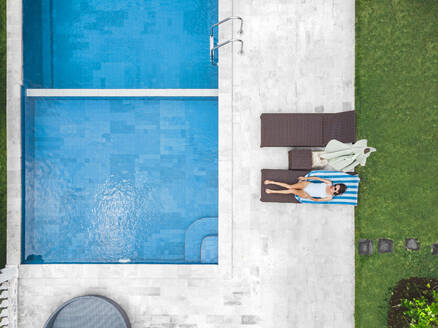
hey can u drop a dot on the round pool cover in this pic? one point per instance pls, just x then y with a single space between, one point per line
89 312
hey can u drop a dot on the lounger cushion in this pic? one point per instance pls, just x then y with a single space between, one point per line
306 130
296 129
340 126
286 176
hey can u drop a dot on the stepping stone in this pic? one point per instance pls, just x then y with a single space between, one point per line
412 244
365 247
385 246
435 249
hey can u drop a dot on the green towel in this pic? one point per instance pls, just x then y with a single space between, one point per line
346 156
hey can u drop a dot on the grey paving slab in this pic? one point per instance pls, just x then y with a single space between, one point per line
412 244
434 249
385 246
365 247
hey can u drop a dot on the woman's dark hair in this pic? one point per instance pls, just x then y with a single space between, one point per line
342 189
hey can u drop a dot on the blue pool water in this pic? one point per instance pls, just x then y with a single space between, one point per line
118 44
118 180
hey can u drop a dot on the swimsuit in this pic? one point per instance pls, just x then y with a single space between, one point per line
316 190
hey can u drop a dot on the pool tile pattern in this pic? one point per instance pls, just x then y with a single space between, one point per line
118 44
117 179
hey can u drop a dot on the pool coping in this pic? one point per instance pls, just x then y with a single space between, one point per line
122 92
14 161
14 80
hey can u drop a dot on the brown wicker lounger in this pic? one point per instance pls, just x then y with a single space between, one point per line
306 130
286 176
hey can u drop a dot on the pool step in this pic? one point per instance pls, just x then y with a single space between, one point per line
209 250
201 241
168 244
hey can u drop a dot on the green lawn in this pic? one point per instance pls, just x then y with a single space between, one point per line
2 133
397 108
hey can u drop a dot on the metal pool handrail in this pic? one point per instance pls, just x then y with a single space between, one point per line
224 44
226 20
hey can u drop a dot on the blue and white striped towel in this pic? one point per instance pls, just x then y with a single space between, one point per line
349 197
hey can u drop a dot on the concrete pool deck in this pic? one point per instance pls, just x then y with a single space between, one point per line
281 265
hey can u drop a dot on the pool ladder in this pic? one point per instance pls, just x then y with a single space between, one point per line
214 46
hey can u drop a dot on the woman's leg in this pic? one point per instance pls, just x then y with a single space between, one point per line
297 192
298 185
281 184
301 193
284 191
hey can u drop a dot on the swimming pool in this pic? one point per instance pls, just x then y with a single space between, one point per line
119 179
118 44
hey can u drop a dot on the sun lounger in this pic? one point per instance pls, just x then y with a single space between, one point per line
351 180
286 176
306 130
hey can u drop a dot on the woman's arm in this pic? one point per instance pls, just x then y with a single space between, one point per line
316 178
321 199
305 195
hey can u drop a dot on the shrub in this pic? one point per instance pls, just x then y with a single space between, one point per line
414 304
423 314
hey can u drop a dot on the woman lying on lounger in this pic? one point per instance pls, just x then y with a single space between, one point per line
318 192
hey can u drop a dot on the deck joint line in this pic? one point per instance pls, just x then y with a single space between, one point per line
122 92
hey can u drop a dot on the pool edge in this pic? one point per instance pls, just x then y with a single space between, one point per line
13 126
14 147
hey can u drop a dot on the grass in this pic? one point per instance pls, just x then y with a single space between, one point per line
2 133
397 108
